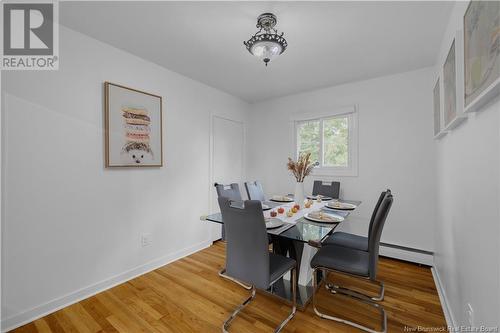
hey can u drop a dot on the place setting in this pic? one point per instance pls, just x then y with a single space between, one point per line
338 205
273 222
276 226
323 217
265 207
281 198
319 197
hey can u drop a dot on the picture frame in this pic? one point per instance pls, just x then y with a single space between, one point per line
481 55
133 127
439 132
453 111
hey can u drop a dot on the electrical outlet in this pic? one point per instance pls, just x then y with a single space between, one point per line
146 240
470 315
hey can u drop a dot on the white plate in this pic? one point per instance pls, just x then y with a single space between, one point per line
280 198
265 207
336 218
315 197
273 223
341 206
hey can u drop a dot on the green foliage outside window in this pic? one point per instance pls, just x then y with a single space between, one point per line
335 140
309 139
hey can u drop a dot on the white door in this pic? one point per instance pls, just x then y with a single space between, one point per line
227 160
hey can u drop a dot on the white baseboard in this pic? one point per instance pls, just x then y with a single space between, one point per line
44 309
448 314
411 256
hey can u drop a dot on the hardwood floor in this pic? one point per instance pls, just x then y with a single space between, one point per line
189 296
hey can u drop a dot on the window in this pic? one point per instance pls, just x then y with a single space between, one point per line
332 142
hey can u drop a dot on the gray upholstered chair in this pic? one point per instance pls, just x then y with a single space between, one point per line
247 253
231 191
355 241
328 189
255 191
356 263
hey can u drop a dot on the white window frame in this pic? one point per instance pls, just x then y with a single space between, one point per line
352 165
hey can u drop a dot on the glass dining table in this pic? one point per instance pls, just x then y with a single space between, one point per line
298 238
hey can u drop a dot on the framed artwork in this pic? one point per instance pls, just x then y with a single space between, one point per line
438 132
133 127
481 53
453 111
450 86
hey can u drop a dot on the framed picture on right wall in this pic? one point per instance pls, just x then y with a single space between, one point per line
453 111
438 128
481 53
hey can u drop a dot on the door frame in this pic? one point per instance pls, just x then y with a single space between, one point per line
211 179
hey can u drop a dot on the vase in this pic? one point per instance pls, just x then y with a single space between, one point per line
299 193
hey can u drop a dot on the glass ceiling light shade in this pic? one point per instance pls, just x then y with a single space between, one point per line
266 44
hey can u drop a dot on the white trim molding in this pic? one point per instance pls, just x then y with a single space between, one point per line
42 310
445 305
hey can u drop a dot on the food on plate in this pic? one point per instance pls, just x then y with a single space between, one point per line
273 213
341 205
289 213
281 198
308 204
319 215
294 210
281 210
297 206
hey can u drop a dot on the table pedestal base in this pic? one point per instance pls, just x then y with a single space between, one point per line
283 290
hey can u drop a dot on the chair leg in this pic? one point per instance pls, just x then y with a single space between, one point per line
226 324
380 296
294 302
223 275
345 321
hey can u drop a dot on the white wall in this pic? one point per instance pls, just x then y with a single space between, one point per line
72 227
396 150
1 197
467 251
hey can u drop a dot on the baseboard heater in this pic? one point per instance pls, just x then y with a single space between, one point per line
407 253
403 253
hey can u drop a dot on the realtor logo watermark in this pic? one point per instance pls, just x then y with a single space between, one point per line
30 38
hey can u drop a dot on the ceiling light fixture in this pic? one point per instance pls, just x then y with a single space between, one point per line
266 44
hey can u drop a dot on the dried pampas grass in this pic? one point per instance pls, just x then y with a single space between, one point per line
302 168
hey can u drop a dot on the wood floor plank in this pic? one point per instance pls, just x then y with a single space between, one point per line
81 319
189 296
99 313
42 326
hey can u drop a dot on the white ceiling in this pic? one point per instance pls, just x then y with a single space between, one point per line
329 42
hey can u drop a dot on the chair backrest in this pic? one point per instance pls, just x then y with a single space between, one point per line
247 248
376 233
255 191
375 210
232 192
329 189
